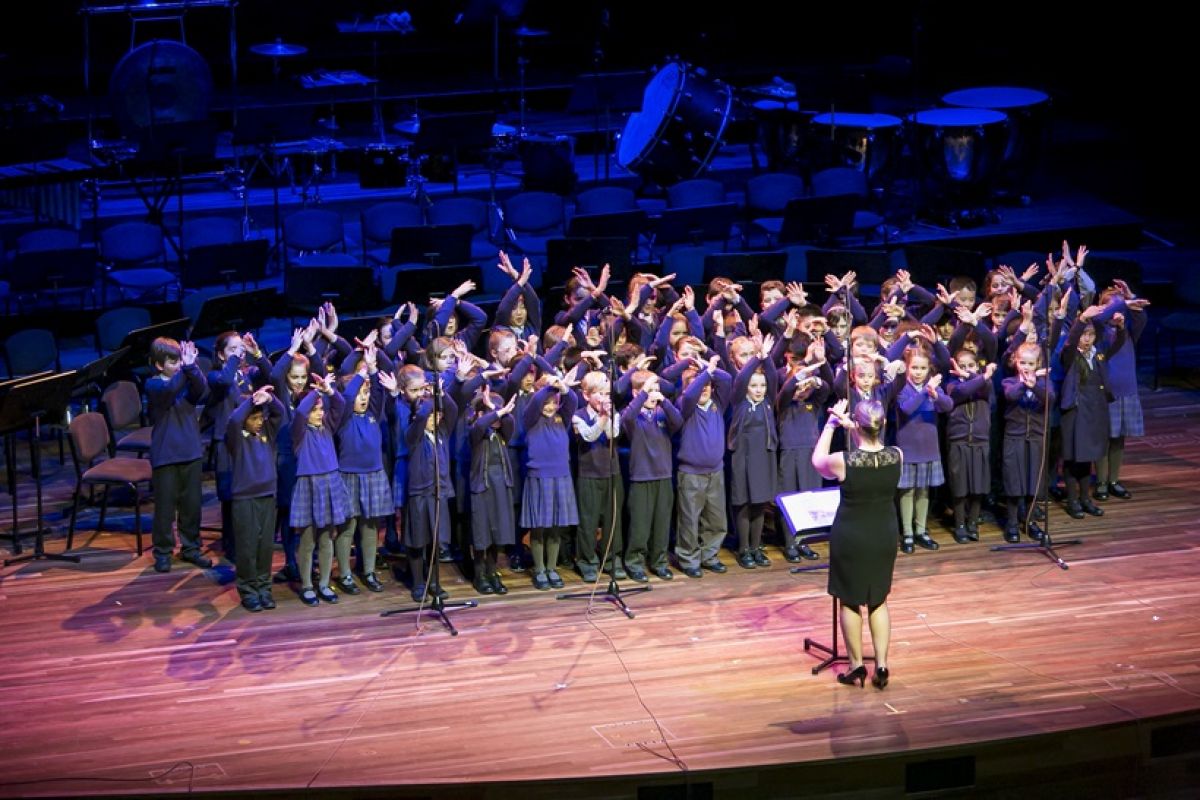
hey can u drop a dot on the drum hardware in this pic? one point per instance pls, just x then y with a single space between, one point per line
277 50
868 143
522 34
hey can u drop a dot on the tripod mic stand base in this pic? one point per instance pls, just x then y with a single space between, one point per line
612 594
1045 546
437 608
834 656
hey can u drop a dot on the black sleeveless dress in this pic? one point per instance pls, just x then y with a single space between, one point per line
862 543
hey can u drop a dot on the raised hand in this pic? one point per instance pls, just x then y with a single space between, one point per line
263 395
619 308
752 326
297 341
943 295
1137 304
689 298
464 288
505 265
508 407
187 353
251 345
989 371
322 383
331 318
839 412
933 383
904 280
1064 303
486 398
791 321
768 343
796 294
983 311
1030 272
656 282
388 381
370 357
832 284
958 371
965 316
605 274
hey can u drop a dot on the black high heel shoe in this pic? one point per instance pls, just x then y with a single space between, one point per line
880 678
858 674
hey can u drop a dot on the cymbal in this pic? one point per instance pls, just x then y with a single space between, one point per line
525 32
278 49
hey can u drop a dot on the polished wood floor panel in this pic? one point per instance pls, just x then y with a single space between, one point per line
113 674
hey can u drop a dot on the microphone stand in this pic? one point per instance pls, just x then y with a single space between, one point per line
1043 543
437 606
613 593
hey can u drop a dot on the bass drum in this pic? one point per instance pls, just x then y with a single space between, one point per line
680 127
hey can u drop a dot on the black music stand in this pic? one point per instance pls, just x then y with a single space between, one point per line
425 282
454 134
89 376
59 271
236 311
10 451
222 264
753 267
810 511
431 244
873 267
350 288
591 253
627 224
819 220
695 224
600 94
25 404
136 343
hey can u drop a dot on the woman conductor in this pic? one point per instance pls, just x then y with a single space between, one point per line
862 543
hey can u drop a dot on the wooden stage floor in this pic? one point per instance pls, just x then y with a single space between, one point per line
117 680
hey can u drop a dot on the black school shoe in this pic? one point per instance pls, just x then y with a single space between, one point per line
252 604
716 565
693 572
327 594
961 536
498 586
923 539
309 597
1119 491
746 560
760 558
201 561
347 585
266 600
372 582
162 563
1091 508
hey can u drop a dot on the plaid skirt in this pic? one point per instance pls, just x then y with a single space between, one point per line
549 503
922 475
970 470
320 501
1125 417
370 494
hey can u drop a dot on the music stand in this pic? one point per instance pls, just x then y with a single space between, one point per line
88 376
216 264
931 265
25 404
136 343
818 220
814 510
350 288
627 224
742 267
63 270
433 281
431 244
455 133
591 253
873 267
694 224
599 93
235 311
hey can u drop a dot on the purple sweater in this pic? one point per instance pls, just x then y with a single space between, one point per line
315 453
702 437
253 457
649 436
916 418
547 443
176 435
360 436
